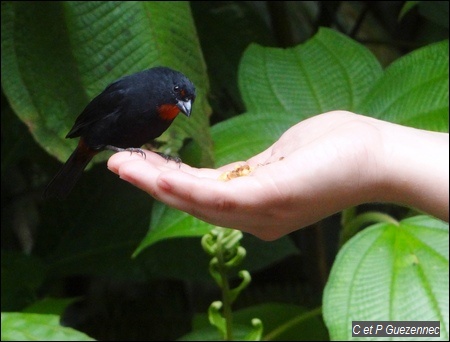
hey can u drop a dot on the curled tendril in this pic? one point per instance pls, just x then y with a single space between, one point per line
231 240
246 279
215 318
216 231
209 244
238 257
215 272
256 333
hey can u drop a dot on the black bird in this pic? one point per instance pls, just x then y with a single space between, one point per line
130 112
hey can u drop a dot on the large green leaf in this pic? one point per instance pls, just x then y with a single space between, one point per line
170 223
58 55
37 327
328 72
49 305
248 134
390 272
413 90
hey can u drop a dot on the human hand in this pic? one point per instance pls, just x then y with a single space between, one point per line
318 167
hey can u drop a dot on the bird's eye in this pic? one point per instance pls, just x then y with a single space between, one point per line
176 89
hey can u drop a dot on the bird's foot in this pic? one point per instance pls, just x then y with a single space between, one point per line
172 158
129 149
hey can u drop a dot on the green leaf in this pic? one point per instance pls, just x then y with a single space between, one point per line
407 6
58 55
167 223
54 306
328 72
389 272
36 327
244 136
413 90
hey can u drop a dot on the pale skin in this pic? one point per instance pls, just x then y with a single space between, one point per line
318 167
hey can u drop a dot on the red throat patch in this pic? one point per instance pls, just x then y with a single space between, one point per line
168 111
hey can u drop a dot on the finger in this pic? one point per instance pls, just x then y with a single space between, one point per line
201 196
154 160
144 172
151 158
119 158
139 172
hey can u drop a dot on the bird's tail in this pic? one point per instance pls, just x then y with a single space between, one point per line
66 178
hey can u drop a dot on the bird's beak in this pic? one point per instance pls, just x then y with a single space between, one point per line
185 107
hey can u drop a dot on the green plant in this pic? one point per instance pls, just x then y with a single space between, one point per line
56 56
223 245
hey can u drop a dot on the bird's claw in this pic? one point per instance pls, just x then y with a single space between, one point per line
137 150
172 158
130 149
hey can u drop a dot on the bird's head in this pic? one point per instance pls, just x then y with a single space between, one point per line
179 93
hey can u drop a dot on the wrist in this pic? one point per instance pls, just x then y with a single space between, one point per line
415 169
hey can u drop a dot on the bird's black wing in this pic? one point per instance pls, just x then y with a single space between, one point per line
110 101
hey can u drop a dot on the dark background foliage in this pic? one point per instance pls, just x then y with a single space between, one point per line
155 296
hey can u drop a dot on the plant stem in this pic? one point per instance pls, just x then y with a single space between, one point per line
226 295
347 215
352 226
